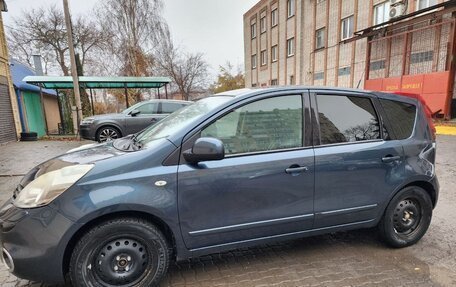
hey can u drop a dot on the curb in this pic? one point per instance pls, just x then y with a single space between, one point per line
446 130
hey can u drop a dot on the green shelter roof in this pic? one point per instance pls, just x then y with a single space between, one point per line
66 82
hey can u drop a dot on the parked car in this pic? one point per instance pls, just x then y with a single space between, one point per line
107 127
233 170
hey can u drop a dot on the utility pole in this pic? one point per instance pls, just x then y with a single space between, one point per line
74 72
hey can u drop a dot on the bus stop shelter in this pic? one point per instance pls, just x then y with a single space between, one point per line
90 83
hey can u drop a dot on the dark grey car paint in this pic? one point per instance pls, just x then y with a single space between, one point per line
219 205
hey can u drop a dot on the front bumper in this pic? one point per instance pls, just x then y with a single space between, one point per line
87 132
35 240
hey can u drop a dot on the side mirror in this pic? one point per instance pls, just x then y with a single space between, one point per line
205 149
134 113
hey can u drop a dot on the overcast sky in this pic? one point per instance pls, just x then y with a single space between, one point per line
213 27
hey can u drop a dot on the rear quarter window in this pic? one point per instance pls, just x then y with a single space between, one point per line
401 117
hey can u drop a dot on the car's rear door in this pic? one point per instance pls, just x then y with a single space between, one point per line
263 187
355 168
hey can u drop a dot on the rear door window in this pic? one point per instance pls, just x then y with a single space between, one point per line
265 125
169 108
346 119
401 117
148 109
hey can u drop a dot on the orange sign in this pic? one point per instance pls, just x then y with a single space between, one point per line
434 88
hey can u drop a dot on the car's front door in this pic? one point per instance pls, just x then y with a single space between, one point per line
263 187
355 169
148 115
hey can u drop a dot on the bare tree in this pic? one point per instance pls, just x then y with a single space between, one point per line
43 31
188 71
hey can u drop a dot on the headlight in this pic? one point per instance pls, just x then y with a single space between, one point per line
48 186
87 121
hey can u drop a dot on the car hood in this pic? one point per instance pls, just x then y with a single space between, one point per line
86 154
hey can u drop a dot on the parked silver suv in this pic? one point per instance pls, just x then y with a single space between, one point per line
132 120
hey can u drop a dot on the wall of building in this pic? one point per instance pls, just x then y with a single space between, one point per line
337 64
6 78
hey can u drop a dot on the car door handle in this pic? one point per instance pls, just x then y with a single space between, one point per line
296 169
390 158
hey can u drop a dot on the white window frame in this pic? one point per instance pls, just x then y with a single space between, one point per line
264 57
274 17
382 8
253 30
290 47
291 8
254 61
323 35
347 28
263 24
274 53
427 4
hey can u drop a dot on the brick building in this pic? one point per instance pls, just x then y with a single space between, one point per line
330 42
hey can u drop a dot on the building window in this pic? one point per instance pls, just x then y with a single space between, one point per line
290 47
347 28
320 38
344 71
254 61
377 65
422 4
274 18
291 8
274 53
264 57
253 30
274 82
381 13
421 57
263 24
319 76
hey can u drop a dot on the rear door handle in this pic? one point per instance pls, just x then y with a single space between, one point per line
296 170
390 158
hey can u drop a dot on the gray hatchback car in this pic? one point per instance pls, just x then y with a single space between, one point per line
232 170
132 120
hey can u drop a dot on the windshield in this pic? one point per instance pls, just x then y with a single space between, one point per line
180 119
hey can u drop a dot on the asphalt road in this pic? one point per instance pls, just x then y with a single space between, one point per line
354 258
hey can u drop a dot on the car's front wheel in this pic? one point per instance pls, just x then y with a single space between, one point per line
120 252
407 217
107 133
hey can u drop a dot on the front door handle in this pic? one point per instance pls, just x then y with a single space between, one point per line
390 158
296 169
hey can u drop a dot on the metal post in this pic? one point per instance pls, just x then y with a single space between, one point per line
158 90
126 95
91 100
74 72
43 110
62 122
166 91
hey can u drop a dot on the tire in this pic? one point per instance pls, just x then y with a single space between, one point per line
407 217
120 252
30 136
107 133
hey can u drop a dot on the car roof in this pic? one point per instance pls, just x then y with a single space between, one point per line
247 92
167 100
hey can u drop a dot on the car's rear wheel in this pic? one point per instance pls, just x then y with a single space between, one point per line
108 133
120 252
407 217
